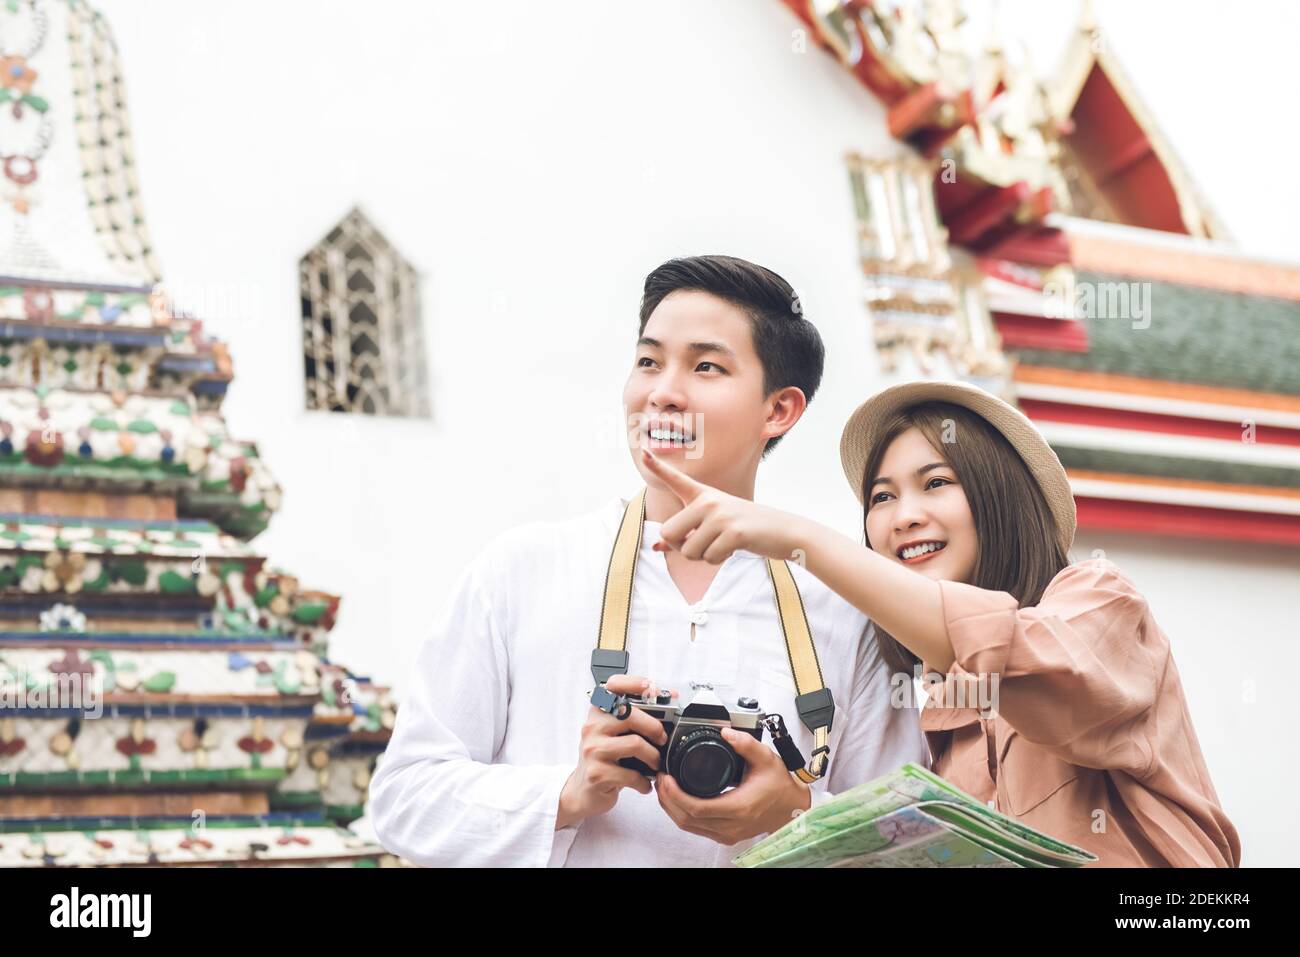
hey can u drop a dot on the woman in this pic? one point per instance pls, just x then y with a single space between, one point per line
1059 702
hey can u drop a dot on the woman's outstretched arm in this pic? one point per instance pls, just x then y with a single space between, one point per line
713 525
903 602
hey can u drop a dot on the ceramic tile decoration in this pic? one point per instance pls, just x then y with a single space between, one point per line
165 694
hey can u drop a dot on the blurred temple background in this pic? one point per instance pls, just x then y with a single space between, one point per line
167 695
398 251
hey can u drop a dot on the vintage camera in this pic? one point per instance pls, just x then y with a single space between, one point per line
696 755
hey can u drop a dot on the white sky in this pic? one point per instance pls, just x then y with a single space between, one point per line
1221 79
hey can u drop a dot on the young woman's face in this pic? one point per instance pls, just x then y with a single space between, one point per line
915 500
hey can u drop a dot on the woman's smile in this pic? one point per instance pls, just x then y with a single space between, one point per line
916 552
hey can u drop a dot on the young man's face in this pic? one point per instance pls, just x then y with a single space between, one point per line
695 393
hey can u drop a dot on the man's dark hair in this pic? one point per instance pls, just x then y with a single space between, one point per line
788 345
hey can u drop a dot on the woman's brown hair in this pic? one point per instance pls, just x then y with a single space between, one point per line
1017 550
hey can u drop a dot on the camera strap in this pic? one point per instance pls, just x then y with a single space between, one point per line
814 701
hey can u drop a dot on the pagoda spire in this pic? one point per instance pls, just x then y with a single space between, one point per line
154 667
70 210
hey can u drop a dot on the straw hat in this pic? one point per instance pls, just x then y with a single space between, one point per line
865 425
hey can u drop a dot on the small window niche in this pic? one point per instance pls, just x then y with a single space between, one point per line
362 333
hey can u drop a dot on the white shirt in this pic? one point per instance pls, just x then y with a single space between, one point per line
488 735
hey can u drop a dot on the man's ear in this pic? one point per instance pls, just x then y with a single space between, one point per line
785 406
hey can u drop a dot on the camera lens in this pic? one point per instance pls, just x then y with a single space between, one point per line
703 763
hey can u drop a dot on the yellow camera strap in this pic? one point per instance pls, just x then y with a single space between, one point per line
815 703
610 656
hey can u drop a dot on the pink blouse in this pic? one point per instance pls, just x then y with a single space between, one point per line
1088 737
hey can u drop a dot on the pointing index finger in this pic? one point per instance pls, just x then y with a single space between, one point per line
678 482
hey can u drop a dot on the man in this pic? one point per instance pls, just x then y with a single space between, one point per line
498 757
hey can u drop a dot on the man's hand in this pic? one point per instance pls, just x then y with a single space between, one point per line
712 524
767 798
593 786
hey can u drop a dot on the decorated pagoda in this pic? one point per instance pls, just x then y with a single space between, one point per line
165 696
1039 236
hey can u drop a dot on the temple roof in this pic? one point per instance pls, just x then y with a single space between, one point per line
1128 170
